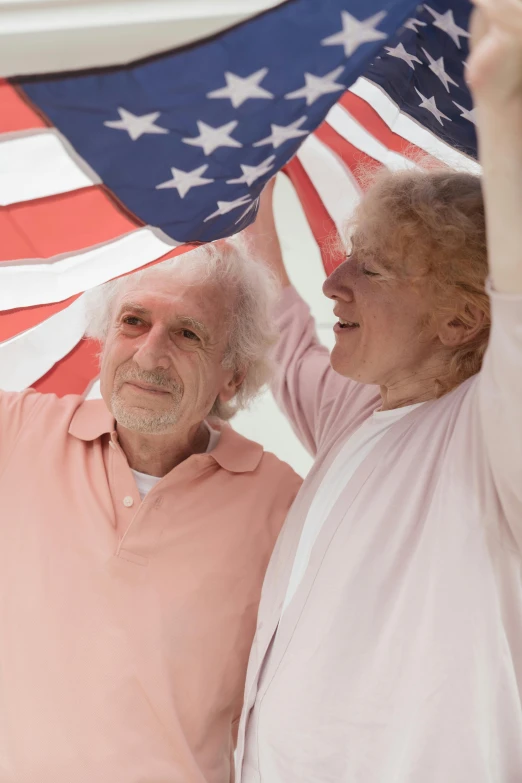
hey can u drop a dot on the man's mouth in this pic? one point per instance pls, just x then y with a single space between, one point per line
147 388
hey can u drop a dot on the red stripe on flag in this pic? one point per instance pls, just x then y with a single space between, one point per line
15 114
369 119
65 223
13 322
355 160
74 373
322 225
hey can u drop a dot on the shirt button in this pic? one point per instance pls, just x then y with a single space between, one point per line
128 501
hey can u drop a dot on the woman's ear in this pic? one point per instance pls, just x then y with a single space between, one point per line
462 327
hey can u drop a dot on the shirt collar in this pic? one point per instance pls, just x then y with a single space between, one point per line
234 453
91 420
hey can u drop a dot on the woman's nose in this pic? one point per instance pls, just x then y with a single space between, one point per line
339 284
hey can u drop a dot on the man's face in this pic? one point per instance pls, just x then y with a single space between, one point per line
161 366
381 343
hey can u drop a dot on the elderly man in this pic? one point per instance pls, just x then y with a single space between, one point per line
134 536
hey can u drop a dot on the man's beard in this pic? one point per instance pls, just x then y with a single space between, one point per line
140 419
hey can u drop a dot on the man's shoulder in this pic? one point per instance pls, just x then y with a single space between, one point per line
280 468
31 421
41 411
240 454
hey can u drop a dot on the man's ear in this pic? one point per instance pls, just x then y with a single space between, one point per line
230 388
462 327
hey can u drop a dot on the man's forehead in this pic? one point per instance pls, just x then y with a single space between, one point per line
172 285
175 295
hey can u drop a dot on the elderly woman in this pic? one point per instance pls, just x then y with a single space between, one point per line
389 640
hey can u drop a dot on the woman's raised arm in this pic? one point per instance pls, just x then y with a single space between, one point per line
495 78
309 392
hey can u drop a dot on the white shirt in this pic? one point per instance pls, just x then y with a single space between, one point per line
352 454
145 483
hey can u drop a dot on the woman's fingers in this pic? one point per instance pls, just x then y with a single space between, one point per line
507 14
494 71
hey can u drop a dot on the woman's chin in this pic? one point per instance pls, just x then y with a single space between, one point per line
342 364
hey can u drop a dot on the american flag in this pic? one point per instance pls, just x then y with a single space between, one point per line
105 171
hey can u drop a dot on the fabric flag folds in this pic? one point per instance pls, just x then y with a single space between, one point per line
105 171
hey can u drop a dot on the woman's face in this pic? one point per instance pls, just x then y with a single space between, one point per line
381 317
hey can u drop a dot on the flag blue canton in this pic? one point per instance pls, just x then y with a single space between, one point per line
422 69
186 140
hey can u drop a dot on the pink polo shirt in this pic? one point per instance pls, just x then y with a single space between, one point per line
125 625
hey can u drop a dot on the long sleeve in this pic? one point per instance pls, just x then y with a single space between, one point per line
500 405
310 393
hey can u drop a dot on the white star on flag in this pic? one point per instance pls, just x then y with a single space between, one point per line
211 138
431 106
228 206
468 114
183 181
401 54
251 173
437 66
282 133
446 23
410 24
136 125
355 32
239 89
315 86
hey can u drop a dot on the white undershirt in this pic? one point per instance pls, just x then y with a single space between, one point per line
145 483
352 454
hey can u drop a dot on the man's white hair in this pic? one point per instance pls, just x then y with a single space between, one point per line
253 293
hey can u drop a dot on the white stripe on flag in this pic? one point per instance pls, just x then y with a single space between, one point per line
38 165
332 180
404 126
28 356
346 126
36 283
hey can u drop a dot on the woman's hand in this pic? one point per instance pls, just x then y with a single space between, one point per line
495 77
494 68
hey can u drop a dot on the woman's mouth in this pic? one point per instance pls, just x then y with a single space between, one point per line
342 325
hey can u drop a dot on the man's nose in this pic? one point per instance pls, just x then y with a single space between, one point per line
153 352
339 285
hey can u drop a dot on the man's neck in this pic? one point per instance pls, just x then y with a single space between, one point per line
157 455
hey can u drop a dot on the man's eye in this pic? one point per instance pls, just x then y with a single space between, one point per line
189 335
369 273
131 320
